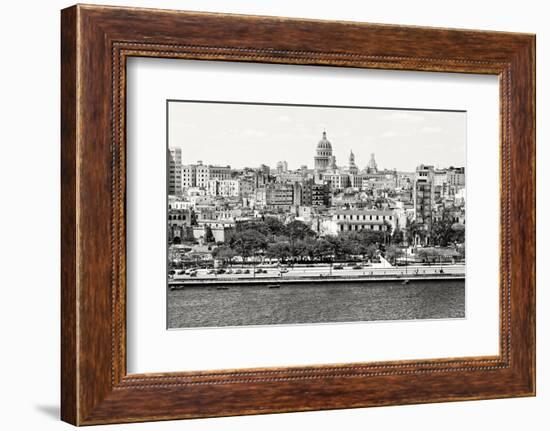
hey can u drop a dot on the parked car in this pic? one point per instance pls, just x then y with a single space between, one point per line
220 271
246 271
338 267
357 267
238 271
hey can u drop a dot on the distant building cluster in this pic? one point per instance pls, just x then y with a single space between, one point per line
208 202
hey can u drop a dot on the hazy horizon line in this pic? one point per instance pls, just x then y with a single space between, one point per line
273 166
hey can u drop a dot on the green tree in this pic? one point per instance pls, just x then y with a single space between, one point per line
258 225
299 249
323 249
387 229
299 230
337 244
393 253
414 230
224 253
398 236
461 251
279 250
309 246
351 243
441 232
248 242
274 226
431 254
371 251
371 236
423 254
459 232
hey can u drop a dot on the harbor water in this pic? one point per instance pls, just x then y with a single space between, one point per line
240 305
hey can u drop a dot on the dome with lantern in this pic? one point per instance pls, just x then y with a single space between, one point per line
323 156
324 147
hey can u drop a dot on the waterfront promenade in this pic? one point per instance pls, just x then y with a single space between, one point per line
318 273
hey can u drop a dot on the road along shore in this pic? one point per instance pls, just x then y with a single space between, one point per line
274 280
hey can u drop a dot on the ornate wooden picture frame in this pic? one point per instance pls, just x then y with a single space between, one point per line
96 41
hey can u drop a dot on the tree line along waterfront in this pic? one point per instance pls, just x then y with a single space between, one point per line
295 243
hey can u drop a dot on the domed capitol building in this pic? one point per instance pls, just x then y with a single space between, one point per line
326 169
324 158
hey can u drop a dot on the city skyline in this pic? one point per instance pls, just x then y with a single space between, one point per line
248 135
279 236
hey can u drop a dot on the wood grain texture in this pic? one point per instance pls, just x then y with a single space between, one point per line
96 41
68 218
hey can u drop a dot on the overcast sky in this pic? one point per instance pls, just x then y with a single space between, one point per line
248 135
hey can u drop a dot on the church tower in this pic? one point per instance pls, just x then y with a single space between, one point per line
372 168
352 167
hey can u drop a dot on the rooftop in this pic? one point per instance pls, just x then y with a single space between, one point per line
362 212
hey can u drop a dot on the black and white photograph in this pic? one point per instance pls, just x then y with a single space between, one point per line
293 214
275 215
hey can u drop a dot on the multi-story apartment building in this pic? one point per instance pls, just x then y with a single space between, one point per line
449 181
264 170
314 194
356 180
260 197
348 220
247 188
440 177
203 175
189 176
338 180
282 166
260 177
174 171
219 172
198 175
279 196
228 214
289 176
424 194
456 177
225 188
404 180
